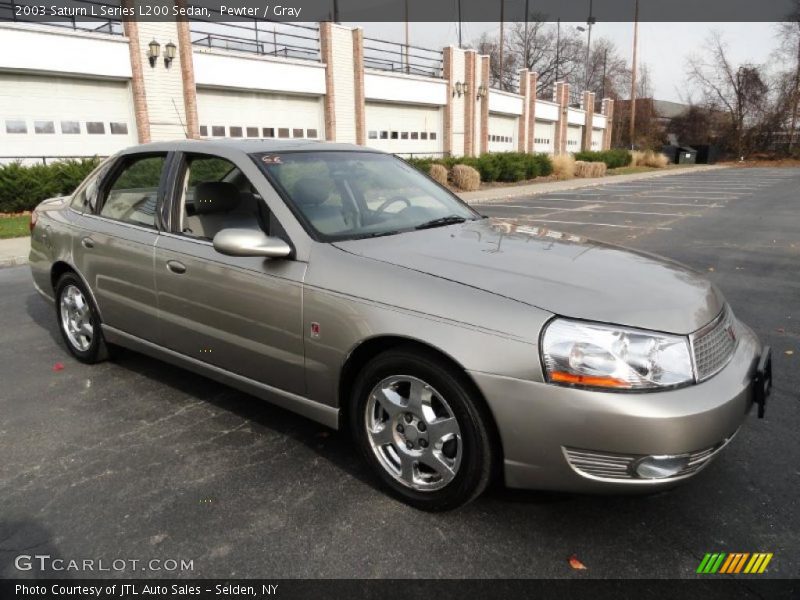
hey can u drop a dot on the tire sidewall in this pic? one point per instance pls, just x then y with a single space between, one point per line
476 460
93 352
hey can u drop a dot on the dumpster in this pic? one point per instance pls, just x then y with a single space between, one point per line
686 156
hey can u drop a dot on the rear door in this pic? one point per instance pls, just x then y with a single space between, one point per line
242 314
115 249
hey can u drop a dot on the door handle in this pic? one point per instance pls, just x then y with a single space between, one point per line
176 267
87 242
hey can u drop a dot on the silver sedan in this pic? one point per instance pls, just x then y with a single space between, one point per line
345 285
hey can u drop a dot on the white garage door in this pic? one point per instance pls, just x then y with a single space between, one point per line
544 136
502 133
597 139
62 116
239 113
574 138
404 128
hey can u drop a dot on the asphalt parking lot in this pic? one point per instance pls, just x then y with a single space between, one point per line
136 459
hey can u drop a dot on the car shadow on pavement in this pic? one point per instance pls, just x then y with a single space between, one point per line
21 541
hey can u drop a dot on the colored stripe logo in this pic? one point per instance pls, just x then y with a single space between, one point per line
734 563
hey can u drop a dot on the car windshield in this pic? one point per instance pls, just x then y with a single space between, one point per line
344 195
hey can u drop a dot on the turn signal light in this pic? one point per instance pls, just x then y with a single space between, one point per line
611 382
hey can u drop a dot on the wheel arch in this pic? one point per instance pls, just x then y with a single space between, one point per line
365 350
58 269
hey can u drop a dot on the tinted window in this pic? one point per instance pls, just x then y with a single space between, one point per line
95 127
132 196
44 127
70 127
16 126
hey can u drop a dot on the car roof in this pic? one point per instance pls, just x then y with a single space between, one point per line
246 146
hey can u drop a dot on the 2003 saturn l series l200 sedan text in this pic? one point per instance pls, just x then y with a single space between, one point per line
345 285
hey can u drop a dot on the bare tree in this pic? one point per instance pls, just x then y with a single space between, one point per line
738 90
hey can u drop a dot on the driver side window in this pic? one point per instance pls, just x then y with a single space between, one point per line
217 196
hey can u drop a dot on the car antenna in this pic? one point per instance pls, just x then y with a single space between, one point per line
178 113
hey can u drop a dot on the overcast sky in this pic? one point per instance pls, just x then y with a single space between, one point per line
664 47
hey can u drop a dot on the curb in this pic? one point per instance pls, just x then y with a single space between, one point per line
535 189
13 261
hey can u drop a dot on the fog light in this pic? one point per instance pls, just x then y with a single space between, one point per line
659 467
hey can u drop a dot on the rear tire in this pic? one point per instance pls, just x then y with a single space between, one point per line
419 426
79 320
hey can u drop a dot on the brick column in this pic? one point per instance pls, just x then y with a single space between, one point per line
358 69
447 111
562 99
533 80
469 103
484 145
326 54
607 110
186 59
137 77
524 121
588 107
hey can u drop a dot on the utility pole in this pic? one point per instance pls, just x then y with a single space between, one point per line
558 46
502 40
633 70
589 22
459 23
603 84
526 35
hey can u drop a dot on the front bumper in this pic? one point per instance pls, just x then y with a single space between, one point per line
540 423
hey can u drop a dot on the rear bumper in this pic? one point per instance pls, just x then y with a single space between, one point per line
540 424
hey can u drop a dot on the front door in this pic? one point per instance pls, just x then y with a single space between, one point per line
243 314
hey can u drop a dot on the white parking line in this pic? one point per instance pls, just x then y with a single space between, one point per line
621 212
501 204
598 224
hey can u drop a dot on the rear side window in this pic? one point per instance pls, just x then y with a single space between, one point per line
132 195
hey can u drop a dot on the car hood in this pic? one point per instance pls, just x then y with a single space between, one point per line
562 273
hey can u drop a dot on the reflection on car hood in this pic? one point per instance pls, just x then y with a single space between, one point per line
559 272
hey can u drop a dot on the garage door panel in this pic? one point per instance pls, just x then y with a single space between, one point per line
240 113
574 138
404 128
544 135
503 131
58 106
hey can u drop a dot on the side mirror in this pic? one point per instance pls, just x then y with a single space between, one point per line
250 242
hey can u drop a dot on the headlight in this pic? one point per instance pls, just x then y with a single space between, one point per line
595 355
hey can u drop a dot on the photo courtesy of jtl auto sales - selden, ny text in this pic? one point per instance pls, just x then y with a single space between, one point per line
399 299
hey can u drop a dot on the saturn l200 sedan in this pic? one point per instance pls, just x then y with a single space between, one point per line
345 285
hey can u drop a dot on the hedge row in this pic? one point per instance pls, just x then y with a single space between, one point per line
23 187
613 158
498 166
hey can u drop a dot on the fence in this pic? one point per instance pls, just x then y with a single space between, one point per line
15 11
258 36
402 58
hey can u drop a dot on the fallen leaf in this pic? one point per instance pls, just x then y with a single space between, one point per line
780 330
576 564
789 352
58 367
710 268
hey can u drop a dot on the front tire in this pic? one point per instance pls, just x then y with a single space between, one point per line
419 425
79 321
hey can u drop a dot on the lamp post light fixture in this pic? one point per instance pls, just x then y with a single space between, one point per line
459 89
169 54
482 91
153 51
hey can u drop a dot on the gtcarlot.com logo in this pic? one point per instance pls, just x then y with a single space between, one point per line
734 563
44 562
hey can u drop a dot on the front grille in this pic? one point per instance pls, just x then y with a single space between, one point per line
605 465
714 344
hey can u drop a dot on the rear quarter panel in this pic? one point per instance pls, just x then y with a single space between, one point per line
51 242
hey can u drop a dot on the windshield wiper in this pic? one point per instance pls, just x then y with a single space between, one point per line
374 234
441 221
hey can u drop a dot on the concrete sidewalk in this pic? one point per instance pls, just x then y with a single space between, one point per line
504 193
14 251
